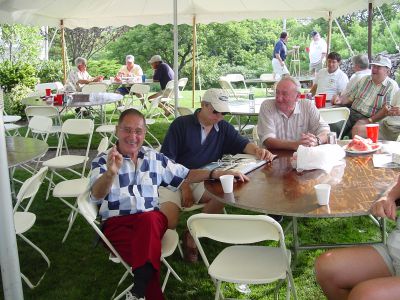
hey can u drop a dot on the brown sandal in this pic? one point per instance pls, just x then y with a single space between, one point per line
190 252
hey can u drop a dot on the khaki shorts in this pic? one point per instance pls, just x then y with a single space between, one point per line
391 251
388 132
165 195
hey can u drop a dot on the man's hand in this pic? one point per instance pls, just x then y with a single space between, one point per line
114 161
394 111
187 195
384 207
336 100
238 175
308 140
264 154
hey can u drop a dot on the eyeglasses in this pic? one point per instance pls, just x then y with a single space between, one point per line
128 130
217 112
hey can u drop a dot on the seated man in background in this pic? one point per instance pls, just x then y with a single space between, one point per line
195 141
130 69
371 98
125 181
365 272
330 80
287 123
162 73
79 76
360 65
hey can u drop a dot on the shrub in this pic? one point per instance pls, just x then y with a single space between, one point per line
13 74
12 100
50 71
103 67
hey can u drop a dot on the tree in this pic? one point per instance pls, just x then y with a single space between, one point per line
86 42
20 43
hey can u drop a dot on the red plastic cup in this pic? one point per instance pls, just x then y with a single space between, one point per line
58 99
324 100
48 92
372 132
302 96
319 100
307 49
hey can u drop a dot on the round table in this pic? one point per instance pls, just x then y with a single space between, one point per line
21 150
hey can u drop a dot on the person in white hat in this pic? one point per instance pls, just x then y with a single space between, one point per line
130 69
194 141
370 100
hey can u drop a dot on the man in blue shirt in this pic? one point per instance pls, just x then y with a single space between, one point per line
279 57
195 141
124 181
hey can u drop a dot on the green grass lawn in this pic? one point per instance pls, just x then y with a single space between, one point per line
79 270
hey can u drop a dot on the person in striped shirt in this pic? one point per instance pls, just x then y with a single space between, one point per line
371 99
287 123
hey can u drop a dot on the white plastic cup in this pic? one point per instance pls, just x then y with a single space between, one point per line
227 183
112 79
323 191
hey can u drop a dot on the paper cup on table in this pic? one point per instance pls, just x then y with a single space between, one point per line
227 183
323 192
372 132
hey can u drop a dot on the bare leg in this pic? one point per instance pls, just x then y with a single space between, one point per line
171 211
340 270
212 206
387 288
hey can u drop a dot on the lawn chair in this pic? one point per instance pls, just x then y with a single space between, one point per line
89 211
73 188
334 115
24 220
243 263
80 127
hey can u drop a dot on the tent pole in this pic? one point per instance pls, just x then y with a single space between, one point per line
194 35
329 39
9 261
370 15
63 51
176 91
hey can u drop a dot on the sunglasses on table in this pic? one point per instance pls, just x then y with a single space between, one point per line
217 112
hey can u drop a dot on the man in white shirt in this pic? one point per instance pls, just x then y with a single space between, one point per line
79 76
318 51
330 80
361 68
287 123
130 69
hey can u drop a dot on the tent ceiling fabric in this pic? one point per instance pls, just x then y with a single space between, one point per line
102 13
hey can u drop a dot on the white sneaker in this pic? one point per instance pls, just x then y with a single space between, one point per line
129 296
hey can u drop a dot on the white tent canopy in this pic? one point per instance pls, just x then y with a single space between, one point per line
101 13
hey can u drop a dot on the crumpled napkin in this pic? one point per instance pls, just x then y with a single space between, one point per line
323 157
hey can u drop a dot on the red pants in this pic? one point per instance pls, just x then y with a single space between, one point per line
137 238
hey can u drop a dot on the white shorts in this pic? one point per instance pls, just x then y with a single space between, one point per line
166 195
278 69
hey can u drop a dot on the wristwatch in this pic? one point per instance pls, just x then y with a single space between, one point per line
370 120
318 140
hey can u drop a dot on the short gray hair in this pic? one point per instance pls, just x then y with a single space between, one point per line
130 57
360 60
80 61
293 80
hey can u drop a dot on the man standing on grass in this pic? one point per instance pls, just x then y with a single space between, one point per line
125 181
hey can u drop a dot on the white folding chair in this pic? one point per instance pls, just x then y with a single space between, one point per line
167 98
270 78
89 211
238 85
67 162
184 111
73 188
334 115
24 220
138 92
39 126
46 111
244 263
